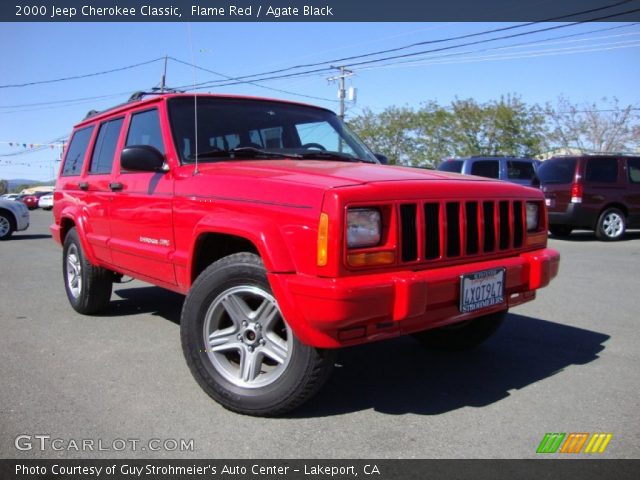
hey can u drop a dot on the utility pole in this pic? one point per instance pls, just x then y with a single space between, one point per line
344 73
164 75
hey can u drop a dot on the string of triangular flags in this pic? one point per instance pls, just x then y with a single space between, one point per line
32 145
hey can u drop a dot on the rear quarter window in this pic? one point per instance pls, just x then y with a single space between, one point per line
77 152
557 171
601 170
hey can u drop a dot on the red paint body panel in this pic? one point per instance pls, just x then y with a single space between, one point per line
150 228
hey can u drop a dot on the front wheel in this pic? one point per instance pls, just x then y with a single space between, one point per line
462 336
6 226
88 287
611 225
239 347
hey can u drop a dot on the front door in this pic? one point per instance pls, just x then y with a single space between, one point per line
141 210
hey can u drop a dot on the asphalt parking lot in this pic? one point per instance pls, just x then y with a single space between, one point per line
567 362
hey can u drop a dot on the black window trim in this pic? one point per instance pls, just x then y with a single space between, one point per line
138 112
89 172
86 151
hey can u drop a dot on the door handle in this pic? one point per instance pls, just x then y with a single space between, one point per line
116 186
83 186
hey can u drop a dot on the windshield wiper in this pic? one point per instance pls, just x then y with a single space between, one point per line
243 152
333 156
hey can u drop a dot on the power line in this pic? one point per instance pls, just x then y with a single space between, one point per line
429 42
511 56
75 77
534 42
406 55
57 102
252 83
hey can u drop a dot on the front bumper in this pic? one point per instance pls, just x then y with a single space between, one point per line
335 312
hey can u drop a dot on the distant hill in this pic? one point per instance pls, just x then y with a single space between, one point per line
14 182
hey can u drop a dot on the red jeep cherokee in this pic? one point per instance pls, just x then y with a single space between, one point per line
288 239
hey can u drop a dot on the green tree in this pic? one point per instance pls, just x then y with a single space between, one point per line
504 127
391 132
425 136
4 187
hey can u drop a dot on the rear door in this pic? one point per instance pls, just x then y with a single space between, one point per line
96 184
602 182
556 176
141 209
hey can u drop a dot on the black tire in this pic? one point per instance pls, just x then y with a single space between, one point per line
462 336
88 287
611 225
7 225
230 308
560 230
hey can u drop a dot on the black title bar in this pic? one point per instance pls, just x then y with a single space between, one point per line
317 10
319 469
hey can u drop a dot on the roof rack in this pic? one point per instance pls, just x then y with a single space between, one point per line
136 97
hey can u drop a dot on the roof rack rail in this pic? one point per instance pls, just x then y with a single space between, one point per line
136 96
139 95
91 113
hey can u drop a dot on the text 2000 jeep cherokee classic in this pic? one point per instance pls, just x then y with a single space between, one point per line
288 238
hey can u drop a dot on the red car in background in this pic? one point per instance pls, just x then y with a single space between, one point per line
31 200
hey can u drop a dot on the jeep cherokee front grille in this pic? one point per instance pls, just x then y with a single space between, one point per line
455 229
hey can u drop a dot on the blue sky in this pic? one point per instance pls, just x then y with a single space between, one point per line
582 68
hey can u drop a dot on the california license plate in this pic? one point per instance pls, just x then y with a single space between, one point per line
481 290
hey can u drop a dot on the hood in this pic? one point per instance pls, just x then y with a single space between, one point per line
327 174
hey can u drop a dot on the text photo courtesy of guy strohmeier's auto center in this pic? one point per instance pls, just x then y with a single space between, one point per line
315 239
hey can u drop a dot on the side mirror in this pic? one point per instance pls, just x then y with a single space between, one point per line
383 159
142 158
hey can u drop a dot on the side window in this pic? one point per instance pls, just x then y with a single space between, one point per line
634 170
105 147
520 170
77 151
602 170
486 168
145 130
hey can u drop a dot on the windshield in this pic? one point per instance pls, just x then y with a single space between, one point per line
246 128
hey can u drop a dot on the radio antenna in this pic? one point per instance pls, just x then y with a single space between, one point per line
195 102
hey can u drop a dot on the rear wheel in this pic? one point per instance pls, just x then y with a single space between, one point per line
88 287
239 347
611 225
462 336
560 230
7 226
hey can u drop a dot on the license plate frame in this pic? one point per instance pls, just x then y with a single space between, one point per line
487 292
